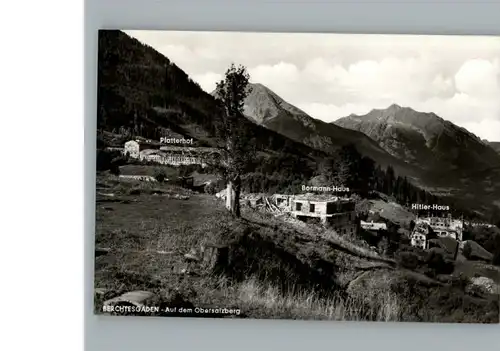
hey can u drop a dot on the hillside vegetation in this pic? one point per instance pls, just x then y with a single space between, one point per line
179 242
453 161
142 92
274 268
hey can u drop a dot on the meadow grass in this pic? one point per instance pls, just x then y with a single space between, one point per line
148 236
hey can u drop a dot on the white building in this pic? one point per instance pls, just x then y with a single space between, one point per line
156 156
441 226
444 226
133 148
171 155
143 178
419 236
373 225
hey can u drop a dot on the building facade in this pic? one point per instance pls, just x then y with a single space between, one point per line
335 212
419 236
142 178
133 148
444 226
171 155
441 226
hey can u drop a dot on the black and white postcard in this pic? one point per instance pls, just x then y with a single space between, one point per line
341 177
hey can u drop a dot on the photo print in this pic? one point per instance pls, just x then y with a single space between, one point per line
307 176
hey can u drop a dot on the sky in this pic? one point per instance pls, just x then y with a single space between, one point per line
330 76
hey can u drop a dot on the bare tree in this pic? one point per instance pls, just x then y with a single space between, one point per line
239 147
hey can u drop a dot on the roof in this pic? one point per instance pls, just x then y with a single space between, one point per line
144 143
320 198
477 251
113 148
149 152
189 149
448 244
374 225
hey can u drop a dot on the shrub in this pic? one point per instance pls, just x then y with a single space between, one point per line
135 191
495 250
408 260
103 160
383 245
210 188
404 242
437 263
114 169
160 174
467 251
487 237
461 282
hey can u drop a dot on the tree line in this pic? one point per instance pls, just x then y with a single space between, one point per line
140 91
364 177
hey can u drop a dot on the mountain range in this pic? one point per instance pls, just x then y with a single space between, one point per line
421 146
142 91
435 154
424 140
266 108
453 161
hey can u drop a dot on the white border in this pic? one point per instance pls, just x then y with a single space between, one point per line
41 65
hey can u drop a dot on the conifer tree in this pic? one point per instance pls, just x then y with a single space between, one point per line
239 148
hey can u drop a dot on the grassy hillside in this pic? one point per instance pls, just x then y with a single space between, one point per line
273 268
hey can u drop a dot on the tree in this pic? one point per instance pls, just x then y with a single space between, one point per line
335 170
340 171
431 233
102 118
239 148
342 168
366 175
409 260
390 179
325 167
438 264
467 250
496 258
383 245
412 225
